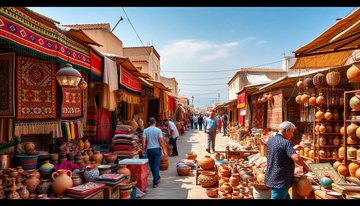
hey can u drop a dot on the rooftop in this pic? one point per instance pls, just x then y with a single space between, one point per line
90 26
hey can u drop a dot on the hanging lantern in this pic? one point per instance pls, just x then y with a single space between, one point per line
82 84
300 84
333 78
353 73
308 82
319 80
68 76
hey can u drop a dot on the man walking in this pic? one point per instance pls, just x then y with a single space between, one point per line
210 129
192 121
173 134
195 118
153 142
224 122
200 121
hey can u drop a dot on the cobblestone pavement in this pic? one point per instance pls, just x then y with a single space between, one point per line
173 186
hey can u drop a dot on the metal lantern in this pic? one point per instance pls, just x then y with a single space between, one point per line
68 76
319 80
82 84
333 78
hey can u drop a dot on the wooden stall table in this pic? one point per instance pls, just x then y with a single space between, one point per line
238 153
112 192
199 170
96 195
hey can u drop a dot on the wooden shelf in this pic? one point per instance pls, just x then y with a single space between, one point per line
328 134
331 120
330 107
327 146
325 158
307 158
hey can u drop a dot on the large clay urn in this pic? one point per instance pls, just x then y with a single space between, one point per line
86 144
312 100
207 162
31 183
354 102
352 168
81 145
98 157
61 181
303 186
351 129
133 124
125 171
353 73
319 80
208 179
320 100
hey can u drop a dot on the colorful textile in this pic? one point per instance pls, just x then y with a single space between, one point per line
6 129
38 127
104 127
274 110
71 104
7 100
130 87
67 166
258 114
24 31
241 99
96 64
36 89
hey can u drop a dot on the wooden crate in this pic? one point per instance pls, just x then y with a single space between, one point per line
97 195
112 192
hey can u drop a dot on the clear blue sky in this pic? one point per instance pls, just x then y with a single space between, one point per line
209 38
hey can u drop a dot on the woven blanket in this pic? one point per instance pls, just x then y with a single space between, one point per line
275 109
241 99
104 126
36 89
96 64
125 136
121 147
25 31
71 104
125 152
258 114
7 100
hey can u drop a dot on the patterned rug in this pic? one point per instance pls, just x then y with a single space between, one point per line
7 64
36 89
71 105
104 127
258 114
275 109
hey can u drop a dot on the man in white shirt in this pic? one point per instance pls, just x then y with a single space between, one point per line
173 134
195 118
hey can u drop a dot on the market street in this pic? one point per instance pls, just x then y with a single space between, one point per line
173 186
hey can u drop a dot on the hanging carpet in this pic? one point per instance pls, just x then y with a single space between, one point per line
71 104
7 65
104 127
258 114
275 109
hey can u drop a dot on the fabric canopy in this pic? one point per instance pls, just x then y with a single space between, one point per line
130 87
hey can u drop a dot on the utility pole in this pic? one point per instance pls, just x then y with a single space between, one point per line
219 98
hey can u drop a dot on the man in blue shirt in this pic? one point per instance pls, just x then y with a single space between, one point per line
152 143
281 159
210 129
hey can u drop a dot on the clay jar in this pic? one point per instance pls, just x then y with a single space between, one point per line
336 115
234 180
46 169
225 172
81 145
86 144
61 182
312 100
31 183
352 168
98 157
319 114
320 100
125 171
303 186
216 155
208 179
357 173
322 128
328 115
91 173
353 73
133 124
351 129
342 169
226 187
43 187
77 180
337 128
223 180
24 193
354 102
207 162
305 98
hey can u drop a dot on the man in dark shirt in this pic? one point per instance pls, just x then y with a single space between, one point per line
281 156
224 123
200 121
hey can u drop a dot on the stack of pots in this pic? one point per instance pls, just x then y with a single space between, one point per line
164 162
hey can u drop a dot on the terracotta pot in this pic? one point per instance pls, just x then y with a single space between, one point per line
336 164
333 78
211 192
225 172
322 128
43 187
125 171
335 154
336 141
270 97
336 115
303 186
98 157
319 114
86 144
354 102
216 155
300 84
328 115
298 98
357 173
322 153
24 193
341 152
351 129
353 73
352 167
342 170
320 100
305 98
207 179
77 180
191 156
225 196
226 186
352 140
133 124
80 145
91 173
110 158
29 146
207 162
31 183
234 180
183 171
329 128
61 182
13 194
222 180
312 100
247 197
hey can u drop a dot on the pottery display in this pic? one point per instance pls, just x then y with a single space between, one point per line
320 100
207 179
353 73
46 169
326 182
43 187
91 173
125 171
81 145
98 157
61 181
303 186
207 162
354 102
31 183
183 171
352 167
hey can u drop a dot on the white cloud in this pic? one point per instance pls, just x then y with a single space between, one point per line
189 49
261 42
247 39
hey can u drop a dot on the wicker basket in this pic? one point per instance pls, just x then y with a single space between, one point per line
183 171
257 185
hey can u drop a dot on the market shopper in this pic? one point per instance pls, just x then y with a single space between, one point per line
224 122
153 142
210 129
219 124
173 134
200 122
195 119
281 159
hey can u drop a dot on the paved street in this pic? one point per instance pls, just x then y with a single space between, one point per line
173 186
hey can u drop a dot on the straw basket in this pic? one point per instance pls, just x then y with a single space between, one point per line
257 185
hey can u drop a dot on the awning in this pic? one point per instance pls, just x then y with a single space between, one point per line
79 34
158 84
257 78
342 36
125 62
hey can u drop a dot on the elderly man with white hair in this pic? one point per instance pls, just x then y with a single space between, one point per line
281 159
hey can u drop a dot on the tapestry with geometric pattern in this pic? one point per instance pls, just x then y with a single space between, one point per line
71 105
36 89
